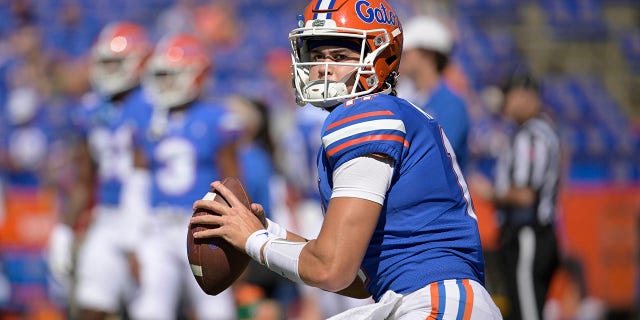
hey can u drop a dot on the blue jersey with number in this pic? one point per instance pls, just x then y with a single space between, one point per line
427 230
108 130
183 160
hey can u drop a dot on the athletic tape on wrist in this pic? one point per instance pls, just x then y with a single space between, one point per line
276 229
255 242
282 256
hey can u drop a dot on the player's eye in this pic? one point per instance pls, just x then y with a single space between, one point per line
344 58
339 57
317 57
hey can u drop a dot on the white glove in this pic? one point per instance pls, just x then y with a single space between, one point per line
60 251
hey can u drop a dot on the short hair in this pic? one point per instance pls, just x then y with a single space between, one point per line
522 79
442 61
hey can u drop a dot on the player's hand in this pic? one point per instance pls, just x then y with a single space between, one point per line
481 186
234 224
258 211
60 252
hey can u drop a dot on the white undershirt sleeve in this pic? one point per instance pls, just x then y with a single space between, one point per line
366 177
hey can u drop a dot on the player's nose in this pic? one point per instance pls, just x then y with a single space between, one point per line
324 71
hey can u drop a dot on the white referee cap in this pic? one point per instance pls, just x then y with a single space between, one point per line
425 32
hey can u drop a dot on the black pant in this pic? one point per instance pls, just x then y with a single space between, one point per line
529 256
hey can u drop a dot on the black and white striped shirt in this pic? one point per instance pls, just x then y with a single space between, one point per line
533 160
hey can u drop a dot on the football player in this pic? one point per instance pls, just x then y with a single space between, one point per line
399 224
106 262
427 49
189 142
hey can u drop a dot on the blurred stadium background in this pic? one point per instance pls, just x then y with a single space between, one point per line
585 52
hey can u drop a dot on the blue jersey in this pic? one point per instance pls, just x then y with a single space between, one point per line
427 230
257 170
451 112
182 161
108 130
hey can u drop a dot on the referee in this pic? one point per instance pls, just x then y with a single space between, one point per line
524 192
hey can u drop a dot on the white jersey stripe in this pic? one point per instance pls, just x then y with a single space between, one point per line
452 293
384 124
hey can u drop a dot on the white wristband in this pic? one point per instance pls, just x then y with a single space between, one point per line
255 242
276 229
282 256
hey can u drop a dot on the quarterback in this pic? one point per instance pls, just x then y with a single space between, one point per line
399 224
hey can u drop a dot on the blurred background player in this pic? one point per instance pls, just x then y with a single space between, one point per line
106 263
259 288
188 142
255 147
525 193
427 49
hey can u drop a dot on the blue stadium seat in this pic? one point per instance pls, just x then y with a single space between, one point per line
487 55
490 11
576 20
630 45
594 128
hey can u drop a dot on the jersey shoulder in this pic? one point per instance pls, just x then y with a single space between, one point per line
371 124
362 109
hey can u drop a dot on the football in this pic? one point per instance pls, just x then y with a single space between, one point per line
215 263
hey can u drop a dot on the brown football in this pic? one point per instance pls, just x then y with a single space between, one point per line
215 263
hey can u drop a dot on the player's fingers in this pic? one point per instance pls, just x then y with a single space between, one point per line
258 211
207 220
227 194
208 233
210 205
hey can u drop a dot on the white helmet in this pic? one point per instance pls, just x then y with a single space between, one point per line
425 32
177 71
118 57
